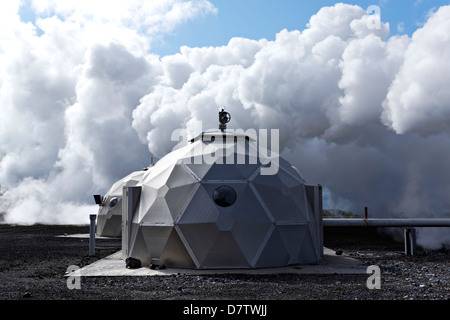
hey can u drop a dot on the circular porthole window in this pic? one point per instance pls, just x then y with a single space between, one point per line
224 196
113 202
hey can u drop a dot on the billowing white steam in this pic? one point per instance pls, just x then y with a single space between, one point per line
68 86
364 114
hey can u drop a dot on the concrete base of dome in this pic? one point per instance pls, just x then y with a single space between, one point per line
331 263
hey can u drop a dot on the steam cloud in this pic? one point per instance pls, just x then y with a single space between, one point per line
361 112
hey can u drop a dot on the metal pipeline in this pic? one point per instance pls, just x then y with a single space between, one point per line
386 222
407 224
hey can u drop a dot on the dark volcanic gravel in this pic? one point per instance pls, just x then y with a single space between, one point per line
33 262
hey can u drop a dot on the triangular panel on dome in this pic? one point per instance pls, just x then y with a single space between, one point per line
179 197
309 253
180 176
193 148
250 236
198 239
313 216
293 237
273 253
158 213
248 207
225 253
147 198
268 180
159 175
225 221
131 180
289 176
300 199
175 254
201 209
155 239
249 170
139 248
285 176
199 169
290 169
281 201
112 227
170 159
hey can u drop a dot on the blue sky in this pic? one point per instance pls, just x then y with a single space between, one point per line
256 19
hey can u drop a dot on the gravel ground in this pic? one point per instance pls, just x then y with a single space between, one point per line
33 263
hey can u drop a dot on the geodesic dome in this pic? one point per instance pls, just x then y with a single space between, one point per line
200 207
109 216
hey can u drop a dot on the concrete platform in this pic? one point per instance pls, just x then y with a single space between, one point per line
331 263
